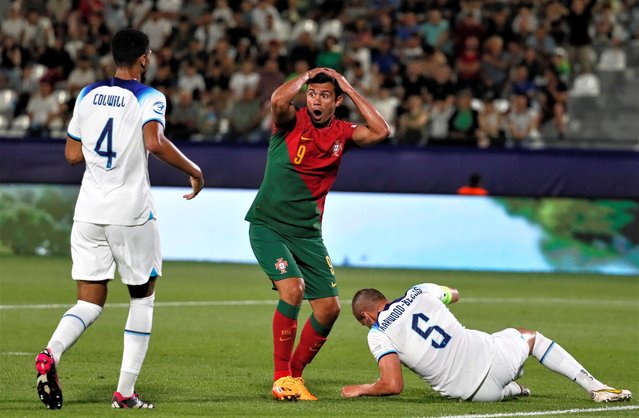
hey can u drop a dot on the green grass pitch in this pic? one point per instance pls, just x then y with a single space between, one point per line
214 359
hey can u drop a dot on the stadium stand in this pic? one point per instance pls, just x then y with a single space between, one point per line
389 46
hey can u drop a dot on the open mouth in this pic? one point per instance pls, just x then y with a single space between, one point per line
317 113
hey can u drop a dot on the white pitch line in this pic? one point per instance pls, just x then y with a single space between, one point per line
157 304
539 413
178 304
16 353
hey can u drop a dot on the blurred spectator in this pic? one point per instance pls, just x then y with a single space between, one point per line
82 75
59 9
387 105
270 78
541 41
533 64
14 25
384 59
494 66
157 28
463 124
304 49
559 63
525 22
181 122
412 123
115 17
441 86
521 122
521 83
553 100
38 32
468 65
580 47
190 79
491 126
244 79
436 31
245 117
58 59
13 57
42 109
330 55
498 24
414 82
440 113
99 33
468 25
613 57
473 187
137 10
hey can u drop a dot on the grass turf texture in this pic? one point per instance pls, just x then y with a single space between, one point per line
216 360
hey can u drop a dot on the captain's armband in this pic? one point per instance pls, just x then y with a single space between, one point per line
447 297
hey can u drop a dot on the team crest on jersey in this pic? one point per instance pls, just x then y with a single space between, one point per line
281 265
158 107
337 148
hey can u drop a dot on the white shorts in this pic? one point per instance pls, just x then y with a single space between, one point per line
511 351
97 249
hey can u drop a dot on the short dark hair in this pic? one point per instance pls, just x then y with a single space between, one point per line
128 45
321 78
366 299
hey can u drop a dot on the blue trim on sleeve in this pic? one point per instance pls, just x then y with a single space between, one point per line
160 121
385 354
154 273
75 138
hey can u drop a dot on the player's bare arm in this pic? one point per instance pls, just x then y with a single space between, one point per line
160 146
73 151
390 382
376 128
281 108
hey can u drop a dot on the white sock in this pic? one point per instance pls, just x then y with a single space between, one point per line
136 341
554 357
73 323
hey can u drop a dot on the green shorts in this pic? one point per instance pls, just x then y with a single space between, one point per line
283 257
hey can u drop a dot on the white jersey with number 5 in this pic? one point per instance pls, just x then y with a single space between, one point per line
108 118
430 341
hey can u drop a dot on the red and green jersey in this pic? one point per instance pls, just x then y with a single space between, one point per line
301 167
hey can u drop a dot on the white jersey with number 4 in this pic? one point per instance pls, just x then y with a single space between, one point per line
430 341
108 118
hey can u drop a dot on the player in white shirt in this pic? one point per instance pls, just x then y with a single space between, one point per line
419 331
115 124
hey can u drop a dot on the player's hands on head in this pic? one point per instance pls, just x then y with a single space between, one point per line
197 183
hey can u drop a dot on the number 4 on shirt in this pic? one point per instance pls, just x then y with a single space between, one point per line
107 133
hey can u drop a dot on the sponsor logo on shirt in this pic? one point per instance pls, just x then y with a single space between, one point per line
303 138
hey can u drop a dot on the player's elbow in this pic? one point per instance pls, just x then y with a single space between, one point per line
74 160
394 387
73 157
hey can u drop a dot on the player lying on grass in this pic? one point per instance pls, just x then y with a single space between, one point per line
419 331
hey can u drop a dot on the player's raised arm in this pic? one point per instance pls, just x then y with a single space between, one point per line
376 128
282 109
390 382
160 146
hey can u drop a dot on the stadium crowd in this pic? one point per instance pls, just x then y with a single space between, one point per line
478 73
